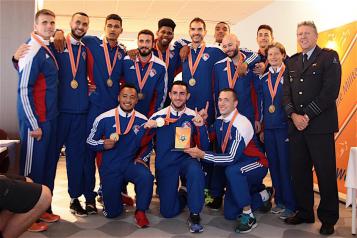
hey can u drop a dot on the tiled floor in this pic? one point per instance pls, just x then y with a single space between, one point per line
214 223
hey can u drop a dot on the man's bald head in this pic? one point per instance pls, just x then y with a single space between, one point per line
230 45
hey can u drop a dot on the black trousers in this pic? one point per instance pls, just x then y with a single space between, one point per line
318 150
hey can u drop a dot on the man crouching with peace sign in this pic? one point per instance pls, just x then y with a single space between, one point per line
177 128
244 167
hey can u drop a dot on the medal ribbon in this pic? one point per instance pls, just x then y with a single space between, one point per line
45 47
194 67
270 85
110 67
167 57
74 65
233 81
168 119
142 82
117 122
228 132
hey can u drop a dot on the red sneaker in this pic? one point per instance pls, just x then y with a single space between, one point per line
49 217
141 219
38 227
127 200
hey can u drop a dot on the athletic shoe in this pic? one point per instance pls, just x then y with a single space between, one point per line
194 224
141 219
76 208
49 217
245 223
286 214
216 204
38 227
91 208
266 207
127 200
279 208
208 197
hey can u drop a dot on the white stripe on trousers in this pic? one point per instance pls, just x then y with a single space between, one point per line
28 162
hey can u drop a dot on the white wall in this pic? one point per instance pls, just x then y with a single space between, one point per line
16 24
283 17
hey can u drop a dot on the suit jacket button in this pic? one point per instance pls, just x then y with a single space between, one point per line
300 93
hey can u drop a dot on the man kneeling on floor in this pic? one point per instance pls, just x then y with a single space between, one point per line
126 149
21 204
244 168
174 126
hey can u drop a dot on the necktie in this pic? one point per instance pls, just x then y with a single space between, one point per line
304 60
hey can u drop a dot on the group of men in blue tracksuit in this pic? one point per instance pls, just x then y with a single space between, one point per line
95 99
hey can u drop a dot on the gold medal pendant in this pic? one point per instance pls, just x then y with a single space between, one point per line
271 108
74 84
110 82
192 82
114 136
140 96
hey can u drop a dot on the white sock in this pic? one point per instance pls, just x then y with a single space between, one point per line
265 195
249 212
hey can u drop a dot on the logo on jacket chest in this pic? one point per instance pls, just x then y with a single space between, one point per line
205 56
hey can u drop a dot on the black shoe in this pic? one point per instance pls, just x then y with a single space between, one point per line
76 209
267 205
91 208
215 204
296 220
326 229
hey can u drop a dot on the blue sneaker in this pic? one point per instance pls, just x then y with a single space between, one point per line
286 214
194 224
279 208
245 223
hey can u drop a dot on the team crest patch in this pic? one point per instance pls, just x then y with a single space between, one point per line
84 55
205 56
152 73
186 124
136 129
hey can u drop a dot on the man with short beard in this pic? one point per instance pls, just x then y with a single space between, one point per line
168 53
126 149
226 76
105 61
171 163
149 75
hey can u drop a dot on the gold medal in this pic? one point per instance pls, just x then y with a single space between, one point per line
74 84
192 82
271 108
114 136
110 82
140 96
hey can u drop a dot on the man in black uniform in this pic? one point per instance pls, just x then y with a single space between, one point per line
310 91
